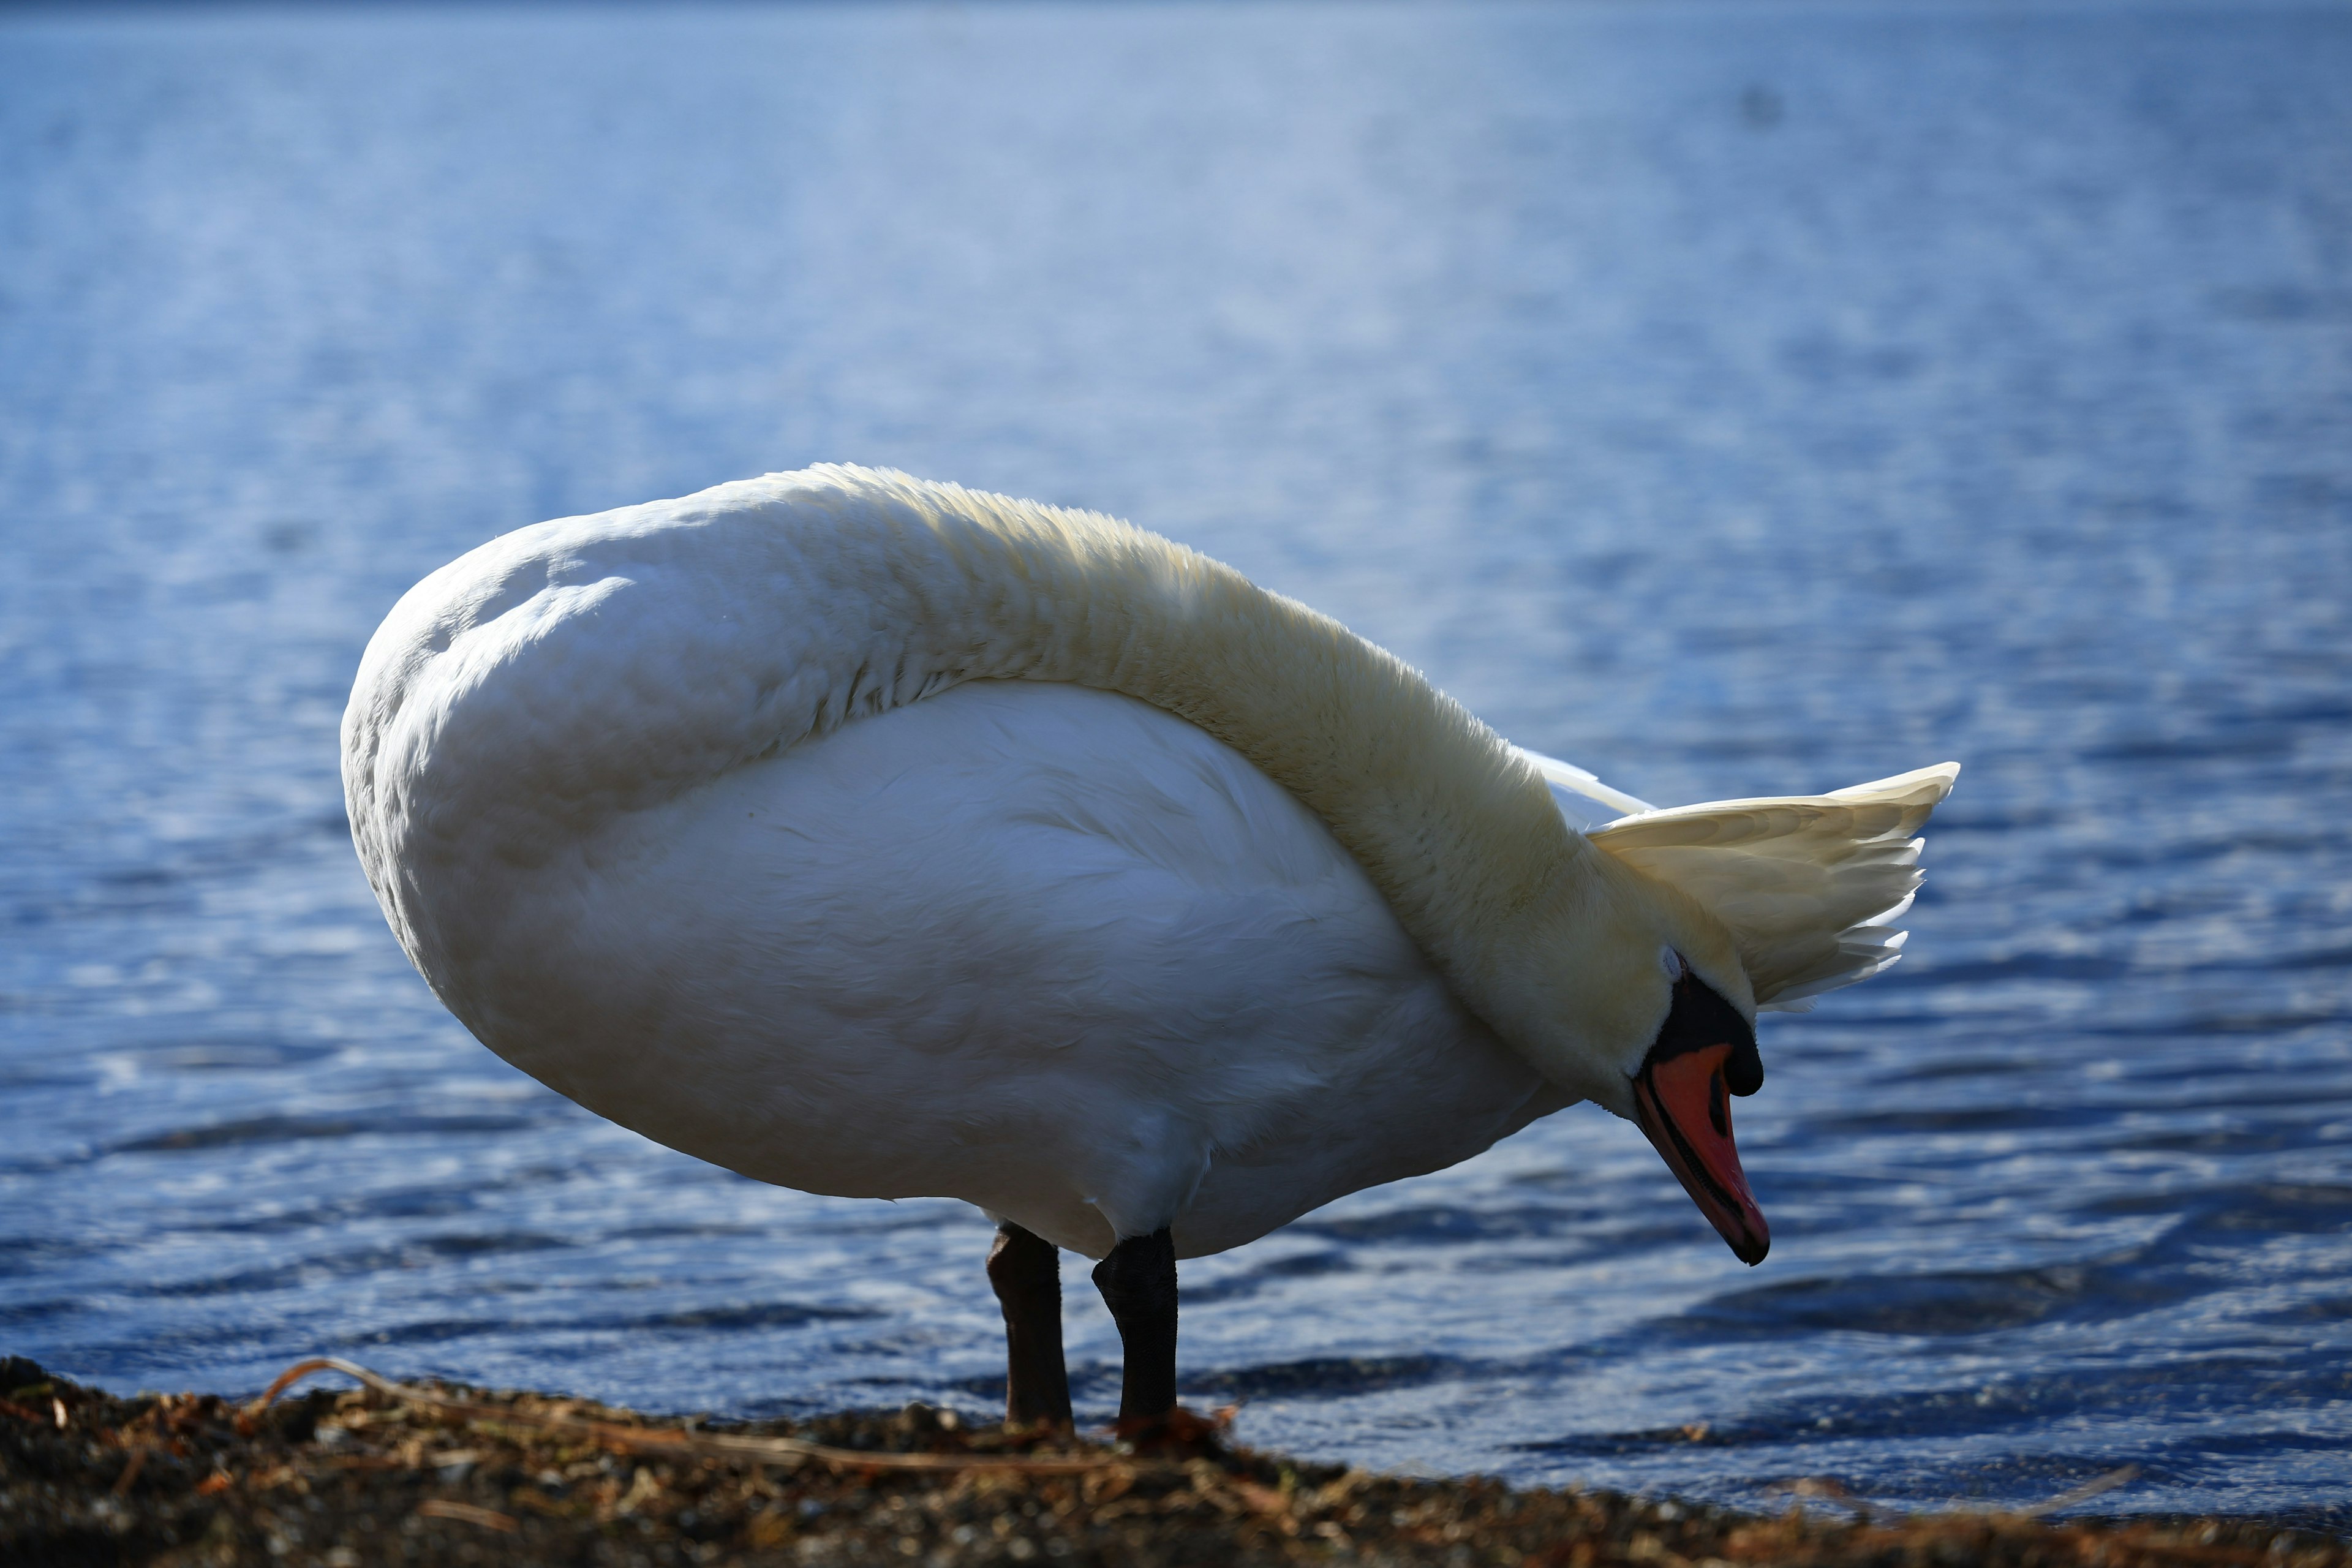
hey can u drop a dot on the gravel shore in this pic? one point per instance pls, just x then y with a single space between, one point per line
439 1474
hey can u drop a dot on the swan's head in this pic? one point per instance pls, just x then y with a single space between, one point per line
1634 997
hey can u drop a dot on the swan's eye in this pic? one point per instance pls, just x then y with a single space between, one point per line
1671 961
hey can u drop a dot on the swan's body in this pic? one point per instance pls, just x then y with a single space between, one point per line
878 838
1046 949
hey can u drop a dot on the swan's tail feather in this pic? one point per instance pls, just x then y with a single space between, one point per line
1810 885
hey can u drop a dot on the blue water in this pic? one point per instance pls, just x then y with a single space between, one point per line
1736 399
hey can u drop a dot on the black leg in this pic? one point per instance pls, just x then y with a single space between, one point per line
1138 1282
1026 1271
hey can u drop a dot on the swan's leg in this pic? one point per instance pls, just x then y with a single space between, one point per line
1138 1281
1026 1271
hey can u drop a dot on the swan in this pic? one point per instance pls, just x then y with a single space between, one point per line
879 838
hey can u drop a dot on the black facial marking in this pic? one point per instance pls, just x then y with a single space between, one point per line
1699 1018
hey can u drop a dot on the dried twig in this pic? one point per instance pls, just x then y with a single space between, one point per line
2083 1493
466 1513
676 1441
1830 1489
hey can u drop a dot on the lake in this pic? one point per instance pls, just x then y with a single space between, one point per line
1734 399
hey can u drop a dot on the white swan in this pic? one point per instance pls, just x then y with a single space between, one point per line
883 838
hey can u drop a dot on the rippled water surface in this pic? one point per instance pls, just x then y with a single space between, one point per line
1735 400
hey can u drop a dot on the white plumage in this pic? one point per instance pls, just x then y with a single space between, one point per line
1808 886
881 838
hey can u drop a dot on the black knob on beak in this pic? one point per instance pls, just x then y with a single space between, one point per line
1744 1072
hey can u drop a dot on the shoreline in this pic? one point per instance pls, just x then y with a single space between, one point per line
438 1473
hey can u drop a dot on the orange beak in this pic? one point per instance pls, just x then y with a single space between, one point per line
1685 1108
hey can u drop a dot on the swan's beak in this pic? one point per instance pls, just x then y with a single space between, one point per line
1685 1107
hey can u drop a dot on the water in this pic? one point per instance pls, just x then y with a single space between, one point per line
1735 400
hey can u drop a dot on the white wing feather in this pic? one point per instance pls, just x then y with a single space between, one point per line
1584 799
1810 885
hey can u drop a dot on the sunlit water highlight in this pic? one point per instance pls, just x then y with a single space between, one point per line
1735 400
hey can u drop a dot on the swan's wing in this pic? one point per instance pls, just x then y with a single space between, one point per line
1585 800
1809 885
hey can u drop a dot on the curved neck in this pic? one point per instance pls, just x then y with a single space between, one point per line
1456 829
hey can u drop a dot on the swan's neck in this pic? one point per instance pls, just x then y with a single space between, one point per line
1452 824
